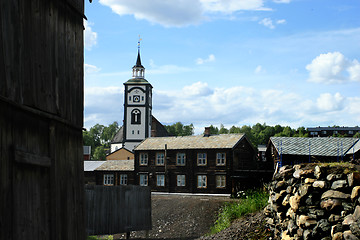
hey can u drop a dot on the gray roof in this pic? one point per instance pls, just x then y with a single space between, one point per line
119 136
117 165
191 142
319 146
90 166
354 149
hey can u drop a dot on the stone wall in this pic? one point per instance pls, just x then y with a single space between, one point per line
315 201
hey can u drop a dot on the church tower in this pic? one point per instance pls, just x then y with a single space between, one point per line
137 107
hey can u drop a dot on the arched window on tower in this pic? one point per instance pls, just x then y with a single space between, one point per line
135 116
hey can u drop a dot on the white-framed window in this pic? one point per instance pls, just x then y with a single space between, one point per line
123 179
335 132
160 180
220 159
181 159
143 179
143 159
220 181
323 132
181 180
201 159
351 132
160 159
108 179
201 181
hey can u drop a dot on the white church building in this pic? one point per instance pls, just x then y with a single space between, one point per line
138 123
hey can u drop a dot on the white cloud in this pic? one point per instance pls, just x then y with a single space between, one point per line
328 102
90 69
268 22
168 13
281 1
230 6
180 13
90 37
202 105
103 105
197 89
165 69
259 69
211 58
333 68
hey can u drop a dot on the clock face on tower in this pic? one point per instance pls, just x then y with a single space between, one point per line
136 98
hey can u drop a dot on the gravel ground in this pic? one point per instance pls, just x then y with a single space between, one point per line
178 217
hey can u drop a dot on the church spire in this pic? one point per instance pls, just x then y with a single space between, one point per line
138 69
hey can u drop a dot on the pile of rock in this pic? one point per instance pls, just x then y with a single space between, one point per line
315 201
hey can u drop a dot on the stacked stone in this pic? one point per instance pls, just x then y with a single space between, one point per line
311 201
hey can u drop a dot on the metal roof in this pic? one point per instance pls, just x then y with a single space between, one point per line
318 146
117 165
191 142
354 148
90 166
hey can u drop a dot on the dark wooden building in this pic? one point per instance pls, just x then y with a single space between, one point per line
333 131
41 120
295 150
219 164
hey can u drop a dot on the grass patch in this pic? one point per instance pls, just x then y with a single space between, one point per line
253 201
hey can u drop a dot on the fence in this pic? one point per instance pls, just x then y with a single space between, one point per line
117 209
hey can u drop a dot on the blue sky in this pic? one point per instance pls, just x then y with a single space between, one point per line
231 62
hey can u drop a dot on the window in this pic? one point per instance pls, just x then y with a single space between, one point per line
108 179
143 179
351 132
220 181
160 180
201 159
135 116
335 132
323 132
143 159
160 159
181 158
220 159
123 179
201 181
180 180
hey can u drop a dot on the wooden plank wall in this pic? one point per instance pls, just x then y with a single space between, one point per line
117 209
41 118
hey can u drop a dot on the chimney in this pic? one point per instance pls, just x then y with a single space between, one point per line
207 132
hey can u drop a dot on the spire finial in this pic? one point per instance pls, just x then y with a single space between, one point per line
139 42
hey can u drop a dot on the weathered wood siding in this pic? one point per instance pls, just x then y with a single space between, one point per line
41 117
117 209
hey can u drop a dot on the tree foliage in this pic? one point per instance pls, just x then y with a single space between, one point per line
179 129
100 136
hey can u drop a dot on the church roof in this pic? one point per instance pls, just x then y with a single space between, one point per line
140 81
159 131
138 61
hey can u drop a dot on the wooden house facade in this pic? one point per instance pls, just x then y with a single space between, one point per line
216 164
41 120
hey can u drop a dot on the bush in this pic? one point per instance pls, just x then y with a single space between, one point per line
252 201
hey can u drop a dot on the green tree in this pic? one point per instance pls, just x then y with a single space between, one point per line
99 153
214 130
223 130
108 133
357 135
179 129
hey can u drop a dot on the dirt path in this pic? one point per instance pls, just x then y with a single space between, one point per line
181 216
